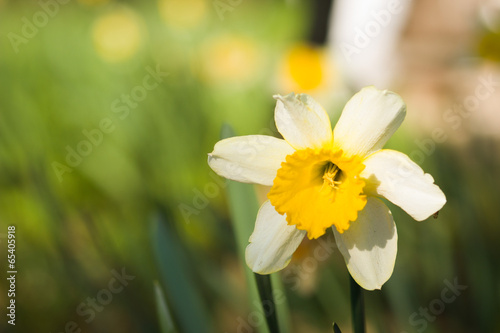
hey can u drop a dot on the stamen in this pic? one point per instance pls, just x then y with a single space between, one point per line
332 176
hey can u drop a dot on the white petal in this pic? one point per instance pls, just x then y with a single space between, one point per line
369 246
394 176
368 120
302 121
249 159
273 241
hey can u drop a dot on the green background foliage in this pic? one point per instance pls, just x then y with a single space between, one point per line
144 199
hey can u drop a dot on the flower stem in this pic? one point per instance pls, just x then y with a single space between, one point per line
266 297
357 307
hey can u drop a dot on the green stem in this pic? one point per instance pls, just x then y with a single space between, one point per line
357 307
266 298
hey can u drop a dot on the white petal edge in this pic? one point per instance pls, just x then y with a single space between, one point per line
368 120
369 246
249 159
272 242
302 121
394 176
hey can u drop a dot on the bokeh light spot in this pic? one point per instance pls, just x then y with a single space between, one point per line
182 14
117 35
305 65
230 59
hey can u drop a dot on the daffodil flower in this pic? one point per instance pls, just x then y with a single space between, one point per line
322 178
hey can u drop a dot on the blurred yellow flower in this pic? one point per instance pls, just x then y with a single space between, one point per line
184 14
322 178
304 68
230 59
117 35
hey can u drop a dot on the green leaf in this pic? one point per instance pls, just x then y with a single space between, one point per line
336 328
180 288
162 310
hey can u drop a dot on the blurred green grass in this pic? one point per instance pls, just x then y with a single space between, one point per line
73 233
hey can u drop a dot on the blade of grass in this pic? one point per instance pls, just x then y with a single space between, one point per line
162 310
281 303
186 303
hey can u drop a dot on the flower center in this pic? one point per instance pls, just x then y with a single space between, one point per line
319 189
332 175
